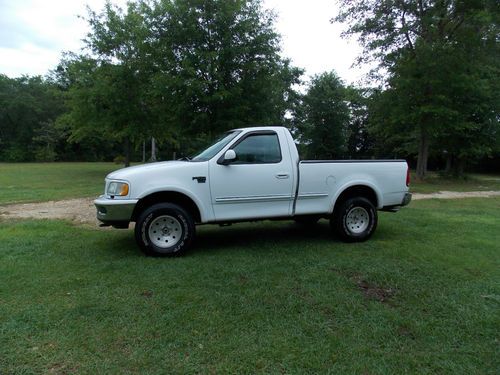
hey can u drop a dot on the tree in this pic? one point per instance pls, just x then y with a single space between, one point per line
219 67
108 85
179 71
359 141
421 45
322 118
27 105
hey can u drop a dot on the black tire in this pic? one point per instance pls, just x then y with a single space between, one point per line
351 226
307 220
168 220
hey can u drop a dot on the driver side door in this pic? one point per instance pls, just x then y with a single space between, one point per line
257 184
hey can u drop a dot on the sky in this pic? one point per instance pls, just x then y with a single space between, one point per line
34 33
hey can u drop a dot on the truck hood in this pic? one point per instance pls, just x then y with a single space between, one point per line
146 169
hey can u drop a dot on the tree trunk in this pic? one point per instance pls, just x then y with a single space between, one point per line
447 168
153 149
127 152
423 154
460 167
174 155
143 151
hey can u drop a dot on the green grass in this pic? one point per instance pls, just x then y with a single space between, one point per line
472 182
32 182
422 296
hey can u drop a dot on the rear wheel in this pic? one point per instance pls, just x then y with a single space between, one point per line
355 220
164 229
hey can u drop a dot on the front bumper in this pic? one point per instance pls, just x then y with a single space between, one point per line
114 210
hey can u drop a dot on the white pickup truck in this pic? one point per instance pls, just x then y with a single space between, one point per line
249 174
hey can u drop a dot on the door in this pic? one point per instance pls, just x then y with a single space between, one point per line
257 184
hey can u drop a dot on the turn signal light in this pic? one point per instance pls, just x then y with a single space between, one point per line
124 190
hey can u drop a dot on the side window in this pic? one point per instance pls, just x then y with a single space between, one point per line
258 149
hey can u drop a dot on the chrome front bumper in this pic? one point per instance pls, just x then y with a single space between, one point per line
114 210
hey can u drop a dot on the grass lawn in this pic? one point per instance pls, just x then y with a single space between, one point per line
33 182
472 182
422 296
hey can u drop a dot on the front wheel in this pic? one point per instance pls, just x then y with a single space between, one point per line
355 220
164 229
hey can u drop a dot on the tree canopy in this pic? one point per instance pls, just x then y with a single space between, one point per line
322 118
440 69
182 71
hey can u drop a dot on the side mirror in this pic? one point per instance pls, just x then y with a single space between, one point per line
229 156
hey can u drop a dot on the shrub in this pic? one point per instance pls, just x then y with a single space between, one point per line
15 154
45 154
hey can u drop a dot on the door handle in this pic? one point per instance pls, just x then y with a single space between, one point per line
282 175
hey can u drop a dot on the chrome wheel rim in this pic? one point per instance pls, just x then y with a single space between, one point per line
165 231
357 220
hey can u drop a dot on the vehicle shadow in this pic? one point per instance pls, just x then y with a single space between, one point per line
262 235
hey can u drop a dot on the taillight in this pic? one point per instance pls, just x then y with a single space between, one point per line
408 176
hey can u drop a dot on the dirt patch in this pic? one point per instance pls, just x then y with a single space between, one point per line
147 293
405 331
375 292
80 211
456 195
370 291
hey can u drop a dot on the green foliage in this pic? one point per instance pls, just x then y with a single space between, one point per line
181 71
322 118
440 59
45 154
14 153
120 159
27 105
30 126
360 143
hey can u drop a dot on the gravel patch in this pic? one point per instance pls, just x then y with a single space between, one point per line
80 211
456 195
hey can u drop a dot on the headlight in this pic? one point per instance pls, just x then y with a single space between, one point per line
118 188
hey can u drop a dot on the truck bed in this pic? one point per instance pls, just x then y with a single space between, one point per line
321 181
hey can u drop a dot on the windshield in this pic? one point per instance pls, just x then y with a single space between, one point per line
218 145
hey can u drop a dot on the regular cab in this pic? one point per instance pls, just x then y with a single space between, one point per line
249 174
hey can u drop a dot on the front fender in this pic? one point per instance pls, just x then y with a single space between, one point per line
205 212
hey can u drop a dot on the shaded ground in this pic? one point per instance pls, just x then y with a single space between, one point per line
82 210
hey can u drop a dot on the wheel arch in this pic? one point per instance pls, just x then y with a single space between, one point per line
357 190
168 196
